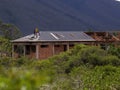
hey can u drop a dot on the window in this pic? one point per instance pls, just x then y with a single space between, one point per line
57 45
71 45
27 49
44 46
33 48
103 46
65 47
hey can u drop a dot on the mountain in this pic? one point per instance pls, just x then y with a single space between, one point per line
61 15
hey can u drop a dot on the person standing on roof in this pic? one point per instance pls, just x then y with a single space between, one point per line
36 33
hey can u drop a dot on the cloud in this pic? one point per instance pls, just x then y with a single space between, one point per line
117 0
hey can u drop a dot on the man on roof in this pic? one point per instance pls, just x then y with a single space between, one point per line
36 33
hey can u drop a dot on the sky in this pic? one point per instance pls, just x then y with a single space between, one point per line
118 0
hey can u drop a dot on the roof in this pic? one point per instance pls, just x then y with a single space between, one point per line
56 36
104 36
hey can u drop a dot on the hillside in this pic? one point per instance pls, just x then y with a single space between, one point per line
61 14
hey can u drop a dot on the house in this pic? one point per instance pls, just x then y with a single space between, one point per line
104 39
49 43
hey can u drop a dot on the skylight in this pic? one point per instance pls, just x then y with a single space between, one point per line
54 36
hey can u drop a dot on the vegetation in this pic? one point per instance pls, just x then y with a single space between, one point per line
81 68
9 31
5 47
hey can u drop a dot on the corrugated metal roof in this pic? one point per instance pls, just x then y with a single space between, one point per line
56 36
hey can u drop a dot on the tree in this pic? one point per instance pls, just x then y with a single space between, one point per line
5 47
9 31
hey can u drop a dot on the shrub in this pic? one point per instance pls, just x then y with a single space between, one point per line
67 71
114 51
111 60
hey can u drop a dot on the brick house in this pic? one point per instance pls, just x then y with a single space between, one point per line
48 43
105 39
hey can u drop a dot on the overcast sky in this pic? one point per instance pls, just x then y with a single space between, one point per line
118 0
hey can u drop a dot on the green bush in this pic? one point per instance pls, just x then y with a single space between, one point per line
114 51
81 68
112 60
98 78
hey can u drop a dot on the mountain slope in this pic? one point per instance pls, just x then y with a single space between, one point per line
61 14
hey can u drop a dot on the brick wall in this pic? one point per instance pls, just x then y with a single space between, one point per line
31 55
45 51
58 49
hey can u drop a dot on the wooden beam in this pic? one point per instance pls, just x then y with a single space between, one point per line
24 50
37 51
68 47
12 51
53 49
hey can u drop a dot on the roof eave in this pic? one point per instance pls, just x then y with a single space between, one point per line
54 41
